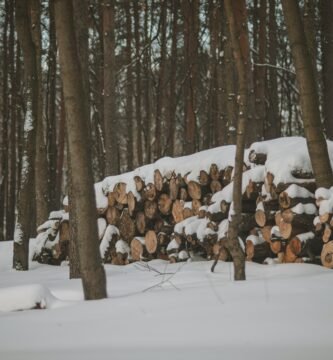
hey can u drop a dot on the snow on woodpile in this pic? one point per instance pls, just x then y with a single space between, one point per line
180 207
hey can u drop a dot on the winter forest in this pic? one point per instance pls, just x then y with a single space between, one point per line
154 152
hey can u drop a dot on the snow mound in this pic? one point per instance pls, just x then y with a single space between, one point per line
26 297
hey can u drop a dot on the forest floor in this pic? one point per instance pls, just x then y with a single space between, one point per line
168 311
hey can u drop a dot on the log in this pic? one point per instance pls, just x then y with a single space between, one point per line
126 226
151 241
266 233
112 198
173 188
113 215
150 209
257 158
224 206
149 192
302 174
252 190
139 184
214 172
158 180
140 222
194 190
286 201
187 212
120 193
288 230
327 233
298 220
177 211
196 205
215 186
263 216
327 255
203 178
131 202
138 248
227 175
164 204
183 194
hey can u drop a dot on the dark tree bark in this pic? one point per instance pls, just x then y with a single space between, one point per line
171 114
309 21
260 72
273 125
4 129
138 94
110 111
14 74
148 91
160 101
41 163
92 271
327 64
308 95
129 87
51 113
230 86
191 32
25 206
237 17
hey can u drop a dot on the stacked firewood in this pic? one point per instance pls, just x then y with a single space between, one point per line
324 224
174 216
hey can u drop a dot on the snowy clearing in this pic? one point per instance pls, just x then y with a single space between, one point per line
280 312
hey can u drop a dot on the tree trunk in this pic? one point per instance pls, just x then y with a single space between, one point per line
171 120
273 125
14 74
25 206
138 94
41 163
92 271
129 88
51 113
260 73
161 85
327 64
308 95
4 130
110 113
191 32
237 17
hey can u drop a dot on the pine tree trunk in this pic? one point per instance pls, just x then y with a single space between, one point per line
4 128
171 117
237 17
273 128
41 163
14 74
138 112
51 113
110 110
83 196
25 206
327 64
260 72
191 32
308 95
129 88
161 85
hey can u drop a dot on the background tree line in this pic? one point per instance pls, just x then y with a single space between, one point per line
159 79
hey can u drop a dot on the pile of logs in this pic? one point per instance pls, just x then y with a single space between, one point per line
169 218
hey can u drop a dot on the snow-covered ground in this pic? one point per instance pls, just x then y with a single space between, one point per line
280 312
